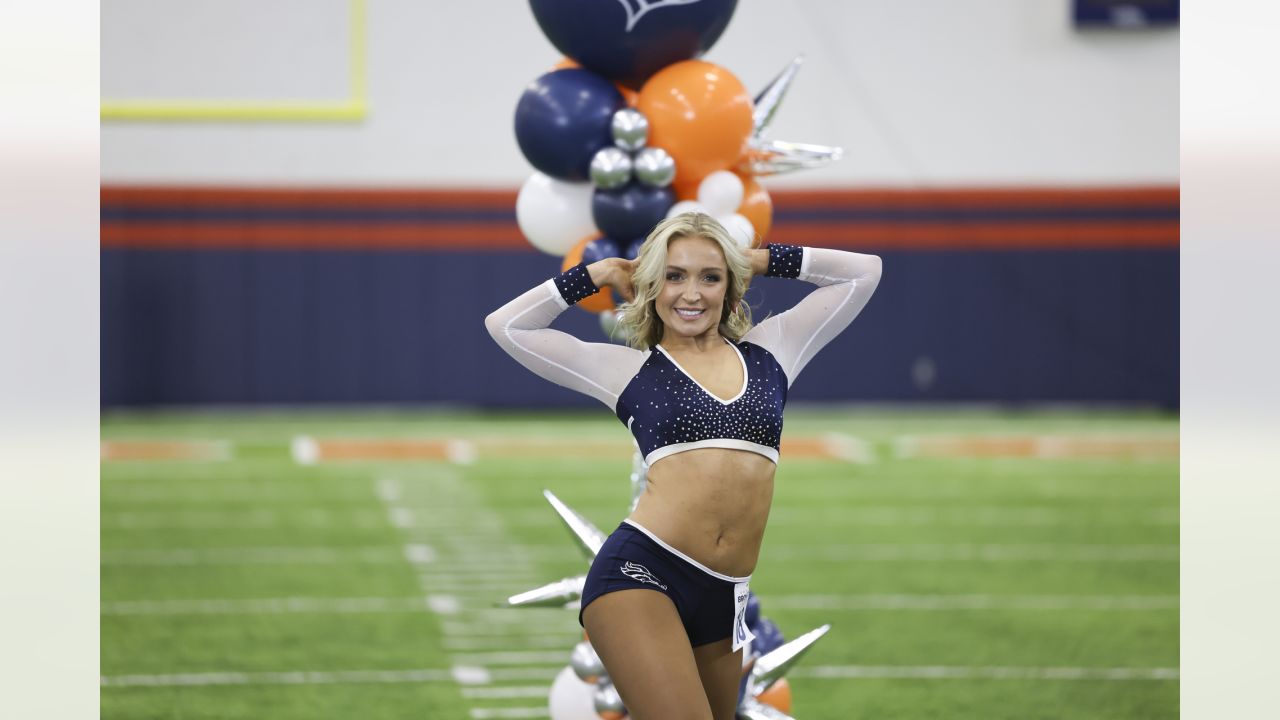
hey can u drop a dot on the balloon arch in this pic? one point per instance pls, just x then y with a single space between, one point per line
630 128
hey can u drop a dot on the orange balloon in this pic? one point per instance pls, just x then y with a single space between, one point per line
685 189
756 206
700 114
612 715
778 695
601 300
631 96
565 64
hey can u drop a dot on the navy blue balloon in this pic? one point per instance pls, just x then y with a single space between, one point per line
631 211
630 40
633 249
768 636
562 120
601 248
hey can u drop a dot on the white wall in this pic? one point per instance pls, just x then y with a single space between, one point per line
918 92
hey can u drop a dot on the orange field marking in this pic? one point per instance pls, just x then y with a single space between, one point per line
143 450
312 450
1037 446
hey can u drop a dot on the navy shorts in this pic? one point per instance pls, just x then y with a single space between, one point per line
712 606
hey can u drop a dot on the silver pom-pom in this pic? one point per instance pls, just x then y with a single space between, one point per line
630 129
585 662
607 699
610 168
654 166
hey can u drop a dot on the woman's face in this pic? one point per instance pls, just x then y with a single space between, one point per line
695 281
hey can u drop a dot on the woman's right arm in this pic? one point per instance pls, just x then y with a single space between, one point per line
522 328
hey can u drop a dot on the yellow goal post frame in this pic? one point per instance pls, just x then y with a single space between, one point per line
350 109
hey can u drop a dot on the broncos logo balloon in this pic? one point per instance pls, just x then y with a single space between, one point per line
629 40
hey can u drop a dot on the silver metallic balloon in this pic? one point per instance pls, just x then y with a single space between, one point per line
610 168
773 157
585 662
607 699
553 594
589 537
767 102
630 129
655 167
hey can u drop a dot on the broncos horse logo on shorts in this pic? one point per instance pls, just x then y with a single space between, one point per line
640 573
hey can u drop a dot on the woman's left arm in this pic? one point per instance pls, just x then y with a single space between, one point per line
845 283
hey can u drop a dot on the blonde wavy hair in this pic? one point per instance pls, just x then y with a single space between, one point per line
638 320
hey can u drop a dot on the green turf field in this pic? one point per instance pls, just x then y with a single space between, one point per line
985 588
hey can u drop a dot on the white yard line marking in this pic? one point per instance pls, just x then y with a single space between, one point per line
443 604
560 640
471 675
848 448
567 624
279 678
512 712
976 516
518 624
970 602
461 452
886 515
419 553
265 606
305 450
544 673
829 672
251 556
518 657
238 520
976 553
507 691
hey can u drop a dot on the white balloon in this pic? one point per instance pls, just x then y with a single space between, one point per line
721 192
685 206
572 699
740 229
553 214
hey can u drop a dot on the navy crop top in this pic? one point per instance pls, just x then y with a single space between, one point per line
669 412
666 410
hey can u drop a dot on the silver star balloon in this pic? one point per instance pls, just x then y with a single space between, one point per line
610 168
553 594
767 102
654 166
630 129
774 157
585 662
773 665
588 536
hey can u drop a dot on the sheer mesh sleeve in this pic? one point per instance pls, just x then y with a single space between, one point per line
521 327
845 282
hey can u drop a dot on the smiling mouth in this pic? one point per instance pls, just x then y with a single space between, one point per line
689 314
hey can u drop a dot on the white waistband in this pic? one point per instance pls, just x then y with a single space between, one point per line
684 557
729 443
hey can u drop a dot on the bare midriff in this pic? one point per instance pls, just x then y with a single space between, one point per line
711 504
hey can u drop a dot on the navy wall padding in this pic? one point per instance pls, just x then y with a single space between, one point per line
184 327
